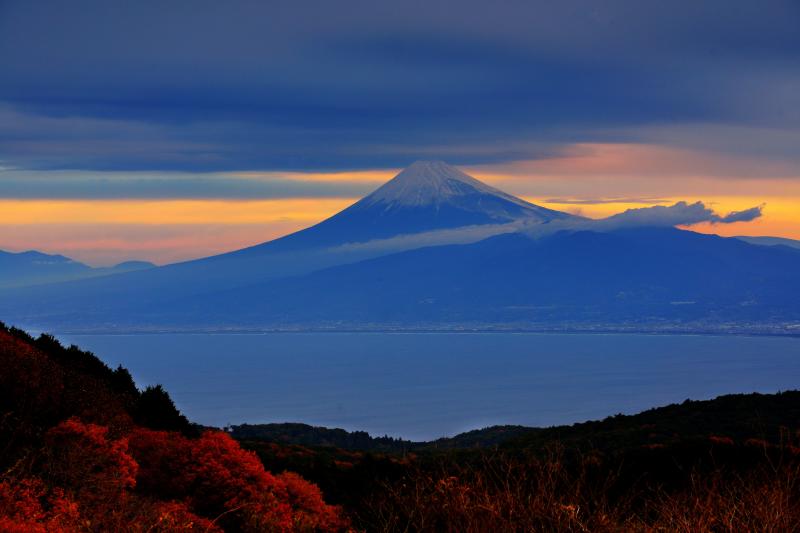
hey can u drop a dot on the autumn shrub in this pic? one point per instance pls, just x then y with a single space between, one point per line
84 460
220 480
168 517
95 470
29 506
310 513
164 461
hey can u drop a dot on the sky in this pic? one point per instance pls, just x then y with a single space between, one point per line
171 130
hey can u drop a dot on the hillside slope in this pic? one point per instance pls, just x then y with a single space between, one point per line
646 276
83 449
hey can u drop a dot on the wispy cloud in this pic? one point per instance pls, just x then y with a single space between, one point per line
463 235
745 215
679 214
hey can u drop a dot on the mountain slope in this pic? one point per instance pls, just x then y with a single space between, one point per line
641 275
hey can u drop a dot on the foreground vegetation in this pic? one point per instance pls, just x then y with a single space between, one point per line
82 449
729 464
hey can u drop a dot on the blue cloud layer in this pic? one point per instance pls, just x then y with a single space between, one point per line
209 86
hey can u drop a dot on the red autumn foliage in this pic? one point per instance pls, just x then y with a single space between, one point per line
164 460
208 484
217 478
168 517
310 510
82 459
29 506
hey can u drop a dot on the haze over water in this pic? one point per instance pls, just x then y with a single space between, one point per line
423 386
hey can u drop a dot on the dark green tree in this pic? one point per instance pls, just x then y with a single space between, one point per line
156 410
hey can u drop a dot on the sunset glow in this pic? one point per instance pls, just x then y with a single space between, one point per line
594 181
108 231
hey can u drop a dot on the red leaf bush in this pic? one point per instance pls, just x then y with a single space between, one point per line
216 478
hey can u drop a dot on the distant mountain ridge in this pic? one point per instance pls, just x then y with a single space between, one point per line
19 269
771 241
735 418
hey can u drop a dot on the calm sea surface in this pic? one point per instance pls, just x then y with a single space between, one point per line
422 386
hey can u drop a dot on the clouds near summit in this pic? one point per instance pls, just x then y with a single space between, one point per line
679 214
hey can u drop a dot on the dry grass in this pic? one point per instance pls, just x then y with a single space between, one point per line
763 500
507 494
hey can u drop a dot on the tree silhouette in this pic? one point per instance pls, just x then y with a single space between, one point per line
156 410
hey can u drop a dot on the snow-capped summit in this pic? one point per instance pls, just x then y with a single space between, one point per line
455 197
432 183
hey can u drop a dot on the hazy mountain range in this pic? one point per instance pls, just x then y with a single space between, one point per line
435 248
19 269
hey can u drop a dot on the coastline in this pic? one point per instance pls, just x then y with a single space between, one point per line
722 330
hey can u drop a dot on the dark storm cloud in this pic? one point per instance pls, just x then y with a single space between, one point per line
209 86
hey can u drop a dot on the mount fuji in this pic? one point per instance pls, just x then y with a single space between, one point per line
436 248
433 195
427 196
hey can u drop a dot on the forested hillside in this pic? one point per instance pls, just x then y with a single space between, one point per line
82 449
728 464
